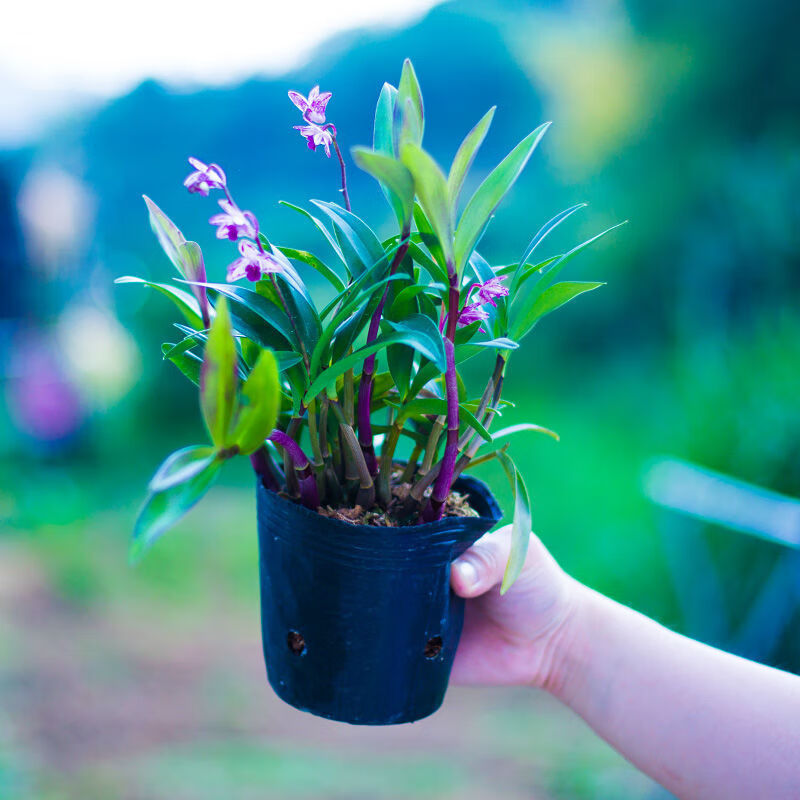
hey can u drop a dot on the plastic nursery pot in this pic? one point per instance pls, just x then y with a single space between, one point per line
358 622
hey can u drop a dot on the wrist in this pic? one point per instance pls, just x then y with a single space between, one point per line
565 651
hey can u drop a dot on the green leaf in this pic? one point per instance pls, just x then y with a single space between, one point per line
163 509
437 272
315 263
409 111
319 226
186 303
167 233
181 466
360 247
423 335
382 138
417 338
422 406
431 187
255 316
521 526
546 229
259 404
218 377
489 194
188 363
393 176
550 275
502 343
524 426
464 158
549 300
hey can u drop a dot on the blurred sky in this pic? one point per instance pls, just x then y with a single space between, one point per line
57 56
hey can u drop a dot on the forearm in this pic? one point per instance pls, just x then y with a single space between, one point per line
701 722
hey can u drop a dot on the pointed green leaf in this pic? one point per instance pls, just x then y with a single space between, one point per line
393 176
465 156
188 363
319 226
525 426
409 111
431 187
181 466
167 233
549 300
259 404
315 263
162 509
382 138
186 304
360 247
255 316
489 194
546 229
218 377
521 526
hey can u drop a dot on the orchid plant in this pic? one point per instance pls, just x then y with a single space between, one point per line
306 390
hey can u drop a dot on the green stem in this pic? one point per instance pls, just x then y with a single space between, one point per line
411 465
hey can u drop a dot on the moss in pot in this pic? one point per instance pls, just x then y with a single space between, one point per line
358 621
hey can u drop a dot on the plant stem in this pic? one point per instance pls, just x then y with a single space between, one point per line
292 483
349 396
431 445
366 491
265 468
309 494
411 465
344 174
433 510
387 456
368 372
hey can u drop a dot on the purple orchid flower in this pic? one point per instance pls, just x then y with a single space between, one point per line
205 177
472 313
313 106
234 223
490 289
316 136
252 263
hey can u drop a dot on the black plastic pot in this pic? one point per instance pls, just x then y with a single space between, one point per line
358 622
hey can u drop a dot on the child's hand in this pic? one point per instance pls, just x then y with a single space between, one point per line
515 638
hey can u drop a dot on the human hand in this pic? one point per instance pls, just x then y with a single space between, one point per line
516 638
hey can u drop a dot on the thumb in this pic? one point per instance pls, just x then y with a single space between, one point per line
481 567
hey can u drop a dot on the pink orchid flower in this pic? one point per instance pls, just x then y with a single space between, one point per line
253 263
316 136
313 106
234 223
204 178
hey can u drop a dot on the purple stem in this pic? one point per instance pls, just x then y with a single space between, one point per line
261 464
368 372
309 493
433 510
344 172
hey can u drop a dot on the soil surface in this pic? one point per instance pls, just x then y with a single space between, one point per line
398 512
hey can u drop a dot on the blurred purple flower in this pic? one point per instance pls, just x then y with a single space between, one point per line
204 178
313 106
316 136
491 289
472 313
234 223
252 263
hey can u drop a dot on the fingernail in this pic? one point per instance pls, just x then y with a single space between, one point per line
466 572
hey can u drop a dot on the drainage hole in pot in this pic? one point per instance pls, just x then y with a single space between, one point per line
296 642
433 647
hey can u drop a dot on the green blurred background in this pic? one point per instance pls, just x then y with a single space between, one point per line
682 117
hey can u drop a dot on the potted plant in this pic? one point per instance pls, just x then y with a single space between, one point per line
358 620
